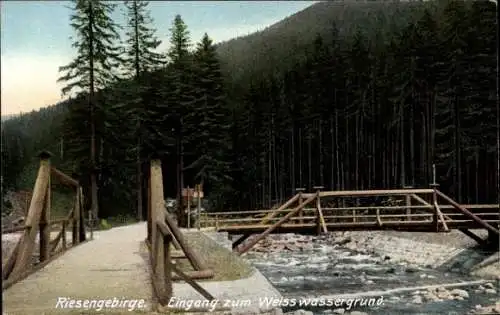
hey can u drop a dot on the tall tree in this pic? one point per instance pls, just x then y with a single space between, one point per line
210 126
140 59
180 97
93 68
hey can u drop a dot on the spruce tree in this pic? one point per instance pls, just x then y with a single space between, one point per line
141 59
179 98
209 119
94 67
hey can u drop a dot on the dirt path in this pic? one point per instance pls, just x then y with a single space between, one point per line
110 266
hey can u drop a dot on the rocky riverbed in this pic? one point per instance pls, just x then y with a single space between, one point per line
360 263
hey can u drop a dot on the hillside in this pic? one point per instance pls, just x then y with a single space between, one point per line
285 43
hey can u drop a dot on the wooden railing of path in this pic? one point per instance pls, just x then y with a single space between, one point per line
21 261
163 234
409 210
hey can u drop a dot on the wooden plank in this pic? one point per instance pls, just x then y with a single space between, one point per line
441 218
320 214
63 178
381 192
45 226
468 213
33 218
282 207
277 224
177 234
193 284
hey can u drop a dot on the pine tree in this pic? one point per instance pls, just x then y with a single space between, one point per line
140 60
94 68
176 99
209 119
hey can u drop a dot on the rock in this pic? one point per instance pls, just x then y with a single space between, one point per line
445 295
339 311
292 247
302 312
417 299
489 285
459 292
369 282
387 257
358 313
276 311
490 291
496 309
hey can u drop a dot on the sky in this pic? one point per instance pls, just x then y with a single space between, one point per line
36 39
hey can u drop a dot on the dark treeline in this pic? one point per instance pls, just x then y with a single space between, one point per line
372 98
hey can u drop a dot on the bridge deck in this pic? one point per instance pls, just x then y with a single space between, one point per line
111 265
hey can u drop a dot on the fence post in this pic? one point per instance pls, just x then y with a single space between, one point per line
27 241
45 224
158 215
318 209
435 217
301 212
408 203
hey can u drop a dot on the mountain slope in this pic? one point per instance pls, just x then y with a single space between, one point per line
284 43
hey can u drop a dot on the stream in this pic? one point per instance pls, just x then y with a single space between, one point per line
327 270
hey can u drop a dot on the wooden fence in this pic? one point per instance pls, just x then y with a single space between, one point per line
22 261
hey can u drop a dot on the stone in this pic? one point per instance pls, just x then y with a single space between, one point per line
459 292
489 285
302 312
417 299
490 291
358 313
339 311
276 311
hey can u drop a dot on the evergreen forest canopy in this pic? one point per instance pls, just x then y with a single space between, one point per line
343 95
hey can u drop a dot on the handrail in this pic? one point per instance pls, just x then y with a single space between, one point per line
19 263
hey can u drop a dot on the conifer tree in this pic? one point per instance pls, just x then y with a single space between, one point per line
140 59
208 119
180 97
94 67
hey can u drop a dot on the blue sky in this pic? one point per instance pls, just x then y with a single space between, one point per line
35 38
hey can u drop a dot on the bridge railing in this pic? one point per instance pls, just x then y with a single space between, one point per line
402 207
163 236
52 234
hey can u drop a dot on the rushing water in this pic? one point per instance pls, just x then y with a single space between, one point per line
326 270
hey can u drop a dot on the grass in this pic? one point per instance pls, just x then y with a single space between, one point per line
225 264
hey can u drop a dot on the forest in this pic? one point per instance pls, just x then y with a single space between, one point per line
348 95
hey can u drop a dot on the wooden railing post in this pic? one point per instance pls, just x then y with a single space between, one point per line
63 235
27 242
45 226
435 215
150 217
167 240
301 212
158 216
408 203
319 217
76 220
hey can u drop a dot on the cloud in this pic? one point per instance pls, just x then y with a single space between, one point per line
29 82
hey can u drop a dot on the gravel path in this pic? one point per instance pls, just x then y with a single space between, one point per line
109 266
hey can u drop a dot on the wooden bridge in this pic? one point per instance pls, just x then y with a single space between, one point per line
57 258
419 210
